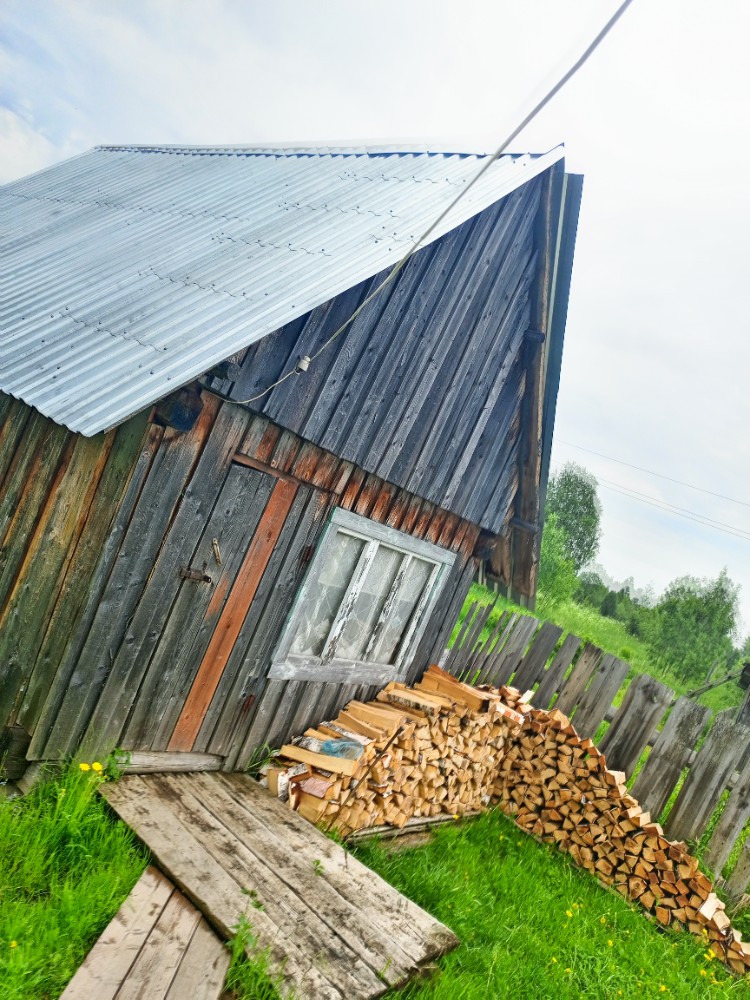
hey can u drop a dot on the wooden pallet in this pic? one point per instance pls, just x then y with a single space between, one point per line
332 928
157 947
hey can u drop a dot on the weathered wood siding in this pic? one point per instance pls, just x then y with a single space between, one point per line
148 574
59 497
426 388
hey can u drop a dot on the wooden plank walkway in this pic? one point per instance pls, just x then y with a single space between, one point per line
333 929
157 947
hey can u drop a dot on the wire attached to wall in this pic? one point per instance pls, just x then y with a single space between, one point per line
304 363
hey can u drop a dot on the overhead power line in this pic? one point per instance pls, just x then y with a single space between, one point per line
668 508
676 513
660 475
673 508
398 267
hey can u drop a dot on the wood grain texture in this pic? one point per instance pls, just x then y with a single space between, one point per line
236 608
669 755
707 778
220 837
414 392
635 722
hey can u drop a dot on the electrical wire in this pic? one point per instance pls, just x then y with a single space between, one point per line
668 508
650 472
398 267
694 514
676 513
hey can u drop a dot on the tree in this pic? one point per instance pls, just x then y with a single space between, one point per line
557 575
694 623
572 497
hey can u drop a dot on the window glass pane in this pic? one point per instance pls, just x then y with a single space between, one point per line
369 604
394 628
324 597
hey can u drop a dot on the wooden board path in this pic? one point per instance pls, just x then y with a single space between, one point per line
157 947
334 930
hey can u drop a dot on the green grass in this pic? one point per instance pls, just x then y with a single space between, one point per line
532 925
65 868
611 636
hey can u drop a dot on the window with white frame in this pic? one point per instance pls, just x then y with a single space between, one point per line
364 604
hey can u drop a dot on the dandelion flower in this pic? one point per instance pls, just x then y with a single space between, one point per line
603 920
703 972
568 913
96 766
455 815
662 988
555 960
13 944
568 969
84 766
610 943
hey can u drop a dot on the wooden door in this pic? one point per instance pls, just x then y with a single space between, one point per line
180 635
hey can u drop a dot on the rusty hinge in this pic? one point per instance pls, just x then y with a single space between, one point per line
194 574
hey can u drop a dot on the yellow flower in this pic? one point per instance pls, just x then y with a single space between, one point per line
610 943
13 944
455 815
703 972
85 767
568 969
554 959
709 956
603 920
662 988
96 766
568 913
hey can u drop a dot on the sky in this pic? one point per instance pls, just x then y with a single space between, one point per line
656 368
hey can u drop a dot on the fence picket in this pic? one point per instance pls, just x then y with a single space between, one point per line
670 754
736 814
643 707
532 665
575 685
707 778
552 678
598 697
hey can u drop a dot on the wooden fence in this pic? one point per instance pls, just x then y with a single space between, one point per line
668 736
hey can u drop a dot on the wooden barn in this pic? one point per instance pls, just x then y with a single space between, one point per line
221 514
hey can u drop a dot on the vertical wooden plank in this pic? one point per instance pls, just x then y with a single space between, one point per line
488 666
707 778
203 470
233 615
31 485
197 608
490 643
669 755
232 708
512 653
598 697
552 678
731 823
464 658
77 581
642 708
49 549
13 419
532 665
581 674
459 640
152 515
738 881
57 715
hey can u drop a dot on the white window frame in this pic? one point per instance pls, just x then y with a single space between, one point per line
330 668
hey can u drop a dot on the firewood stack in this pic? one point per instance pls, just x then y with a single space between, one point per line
414 752
446 747
557 787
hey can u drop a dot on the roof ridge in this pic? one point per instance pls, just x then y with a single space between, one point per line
321 149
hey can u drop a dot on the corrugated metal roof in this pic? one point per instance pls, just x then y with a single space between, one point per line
128 271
